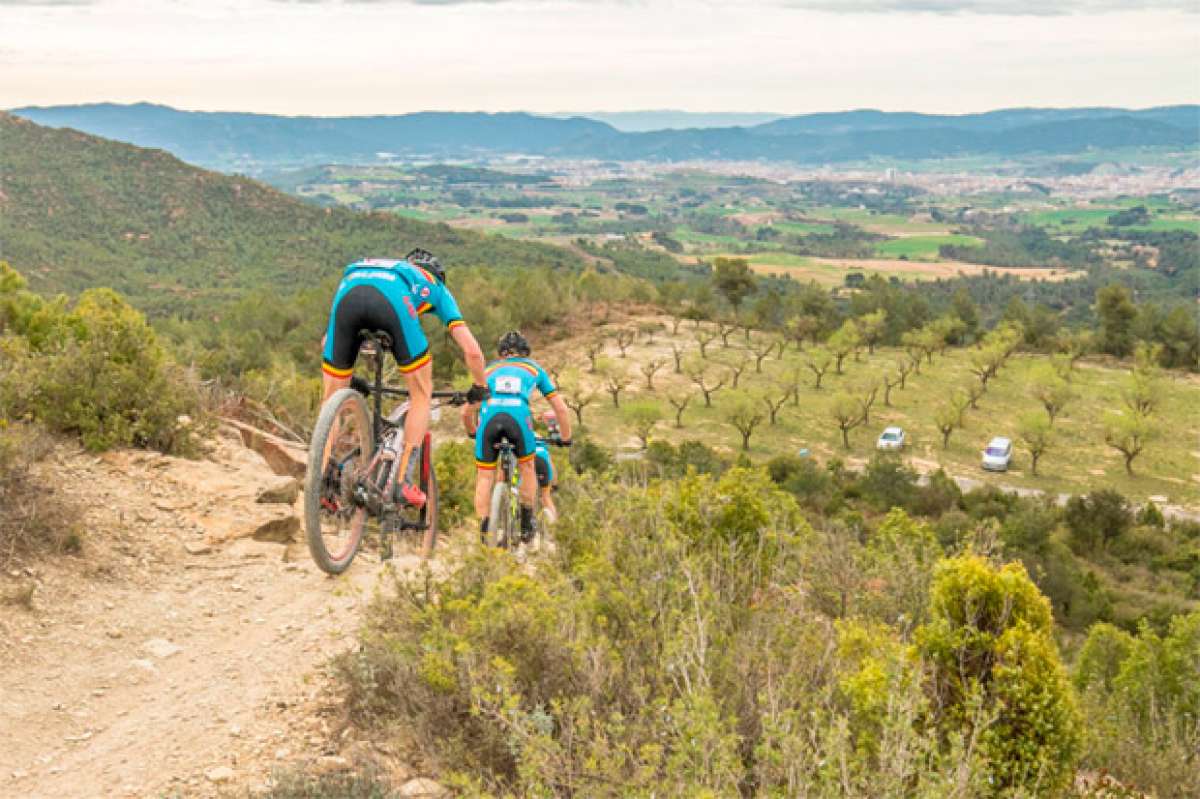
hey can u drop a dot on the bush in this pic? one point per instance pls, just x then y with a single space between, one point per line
588 456
1097 519
805 480
37 515
667 647
887 483
98 371
1143 705
997 675
454 462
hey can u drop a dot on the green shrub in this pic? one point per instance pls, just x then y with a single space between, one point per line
454 462
990 649
1142 700
888 483
1097 519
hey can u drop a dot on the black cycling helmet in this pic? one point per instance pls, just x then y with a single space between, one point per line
513 343
427 260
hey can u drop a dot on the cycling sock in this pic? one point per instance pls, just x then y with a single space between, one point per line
526 519
410 473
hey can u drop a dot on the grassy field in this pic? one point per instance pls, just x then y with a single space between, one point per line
922 247
833 271
1079 461
1076 220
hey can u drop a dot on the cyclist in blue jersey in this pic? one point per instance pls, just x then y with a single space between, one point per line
505 414
546 476
391 295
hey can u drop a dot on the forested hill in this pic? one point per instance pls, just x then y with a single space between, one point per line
249 142
79 211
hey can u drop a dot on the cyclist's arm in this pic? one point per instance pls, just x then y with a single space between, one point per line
563 414
472 354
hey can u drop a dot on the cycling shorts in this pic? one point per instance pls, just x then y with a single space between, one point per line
498 425
365 307
545 468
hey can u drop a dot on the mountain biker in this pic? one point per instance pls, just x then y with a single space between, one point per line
547 479
380 294
505 414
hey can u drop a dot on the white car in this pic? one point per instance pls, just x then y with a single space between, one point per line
891 438
997 454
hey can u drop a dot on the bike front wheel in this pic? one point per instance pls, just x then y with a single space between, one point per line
340 452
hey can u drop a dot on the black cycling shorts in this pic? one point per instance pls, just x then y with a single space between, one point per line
543 471
501 426
367 308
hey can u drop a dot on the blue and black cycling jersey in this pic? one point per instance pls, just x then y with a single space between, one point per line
506 414
388 295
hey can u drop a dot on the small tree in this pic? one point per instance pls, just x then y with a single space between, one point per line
903 367
648 330
744 414
649 369
818 361
579 399
624 338
698 373
847 412
1051 390
594 349
799 328
735 367
946 418
642 416
846 340
974 392
1038 436
1128 433
866 399
761 351
891 379
616 380
679 401
677 353
733 278
872 327
774 405
725 328
704 337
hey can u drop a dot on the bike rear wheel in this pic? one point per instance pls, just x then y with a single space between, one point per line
429 513
342 447
500 532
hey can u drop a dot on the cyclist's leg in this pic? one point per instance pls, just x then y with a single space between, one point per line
411 350
341 343
485 465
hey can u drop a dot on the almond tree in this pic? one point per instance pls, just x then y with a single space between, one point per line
946 418
891 379
642 416
847 412
974 392
845 340
774 405
903 367
704 337
872 327
745 415
616 380
818 361
698 373
1128 433
761 351
725 328
866 399
649 368
624 338
1038 436
677 352
594 349
1050 389
735 367
577 398
679 401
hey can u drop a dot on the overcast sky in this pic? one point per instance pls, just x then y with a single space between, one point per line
392 56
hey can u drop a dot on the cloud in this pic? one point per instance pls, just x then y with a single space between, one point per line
1018 8
47 2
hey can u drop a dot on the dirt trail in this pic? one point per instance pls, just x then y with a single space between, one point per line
178 655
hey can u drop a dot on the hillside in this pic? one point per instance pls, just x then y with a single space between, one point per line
247 142
78 211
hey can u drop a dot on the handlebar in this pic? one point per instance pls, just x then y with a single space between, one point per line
365 388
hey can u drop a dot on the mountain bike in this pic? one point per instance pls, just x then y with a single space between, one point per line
504 514
353 472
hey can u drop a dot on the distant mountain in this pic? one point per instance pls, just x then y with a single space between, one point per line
78 211
225 140
643 121
254 142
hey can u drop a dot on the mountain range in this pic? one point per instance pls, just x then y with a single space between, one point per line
249 142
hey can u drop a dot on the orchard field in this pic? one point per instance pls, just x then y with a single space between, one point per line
1078 459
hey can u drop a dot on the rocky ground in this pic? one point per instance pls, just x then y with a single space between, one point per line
184 651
